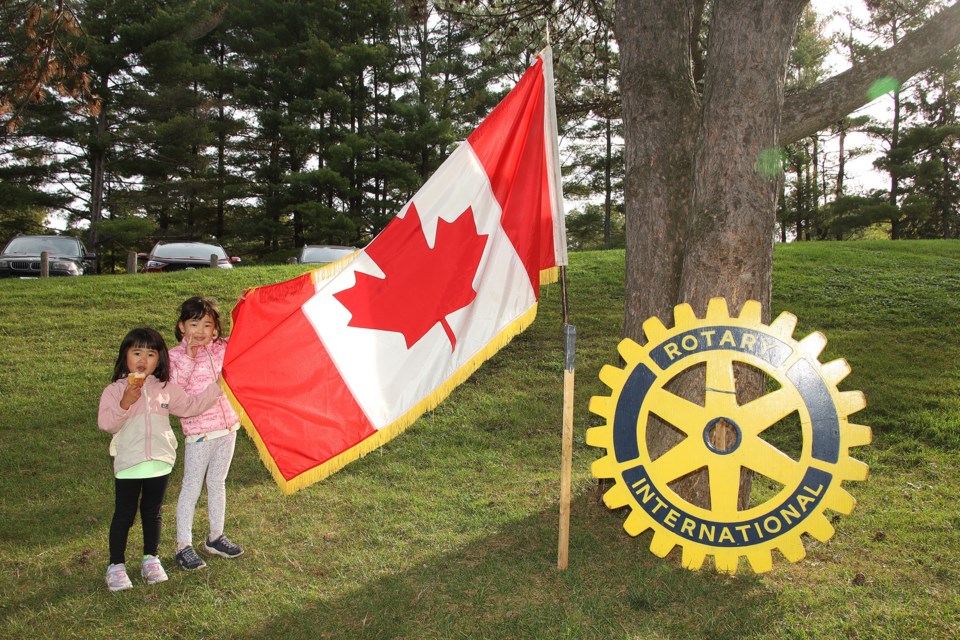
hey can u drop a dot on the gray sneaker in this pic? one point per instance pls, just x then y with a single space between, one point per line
117 578
222 546
188 559
152 571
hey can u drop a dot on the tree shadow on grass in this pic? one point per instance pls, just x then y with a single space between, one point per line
508 586
65 491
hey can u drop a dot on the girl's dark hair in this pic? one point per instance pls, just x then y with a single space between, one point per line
144 338
194 309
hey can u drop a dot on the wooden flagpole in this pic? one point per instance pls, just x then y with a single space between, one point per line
569 332
566 448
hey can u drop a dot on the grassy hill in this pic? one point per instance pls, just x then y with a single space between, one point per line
450 531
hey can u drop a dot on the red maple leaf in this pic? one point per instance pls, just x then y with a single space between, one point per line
422 285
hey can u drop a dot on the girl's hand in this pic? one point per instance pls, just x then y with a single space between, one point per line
130 395
193 345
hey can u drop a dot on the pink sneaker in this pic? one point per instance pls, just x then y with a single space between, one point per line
117 579
152 571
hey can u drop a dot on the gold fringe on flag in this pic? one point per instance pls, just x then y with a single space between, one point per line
549 276
399 425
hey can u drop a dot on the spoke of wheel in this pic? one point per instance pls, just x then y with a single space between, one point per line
720 373
678 461
764 412
686 416
724 487
765 459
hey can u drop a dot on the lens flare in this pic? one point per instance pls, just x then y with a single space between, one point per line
886 84
771 162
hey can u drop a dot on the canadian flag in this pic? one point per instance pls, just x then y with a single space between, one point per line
330 365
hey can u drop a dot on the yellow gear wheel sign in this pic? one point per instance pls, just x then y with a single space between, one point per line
803 486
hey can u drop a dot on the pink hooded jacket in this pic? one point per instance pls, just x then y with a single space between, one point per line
194 374
143 431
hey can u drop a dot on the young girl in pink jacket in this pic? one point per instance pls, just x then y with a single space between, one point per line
136 409
209 438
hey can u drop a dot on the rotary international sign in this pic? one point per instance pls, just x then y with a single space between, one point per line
721 436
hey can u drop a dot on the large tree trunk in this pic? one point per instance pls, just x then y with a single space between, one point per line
692 187
700 216
660 116
729 248
730 243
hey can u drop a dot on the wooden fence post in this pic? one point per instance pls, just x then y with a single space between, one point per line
132 262
44 264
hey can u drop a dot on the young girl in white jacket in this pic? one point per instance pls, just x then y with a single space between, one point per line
136 409
210 438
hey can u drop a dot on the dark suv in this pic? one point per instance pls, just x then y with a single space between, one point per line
67 256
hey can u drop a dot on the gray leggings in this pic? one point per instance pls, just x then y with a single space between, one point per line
210 458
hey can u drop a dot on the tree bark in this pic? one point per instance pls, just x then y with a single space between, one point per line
660 116
729 249
730 241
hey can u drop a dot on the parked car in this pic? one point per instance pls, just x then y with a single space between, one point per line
177 256
67 256
322 253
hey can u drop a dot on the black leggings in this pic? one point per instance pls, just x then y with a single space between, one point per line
149 492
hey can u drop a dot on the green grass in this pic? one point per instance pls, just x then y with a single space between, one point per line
450 530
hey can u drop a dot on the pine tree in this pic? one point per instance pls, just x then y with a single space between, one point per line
801 199
926 159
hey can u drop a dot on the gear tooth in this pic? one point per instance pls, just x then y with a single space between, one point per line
635 524
600 437
630 350
840 501
792 549
601 405
857 435
784 325
819 527
717 309
654 329
605 467
852 401
617 496
693 558
683 314
613 377
662 544
760 560
752 311
726 560
813 344
854 469
836 370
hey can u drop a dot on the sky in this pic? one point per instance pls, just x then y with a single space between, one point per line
860 172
